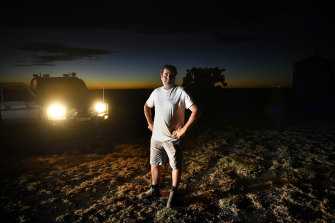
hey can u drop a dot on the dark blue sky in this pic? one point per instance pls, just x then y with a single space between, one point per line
125 45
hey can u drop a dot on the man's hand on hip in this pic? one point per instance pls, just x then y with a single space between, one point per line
179 133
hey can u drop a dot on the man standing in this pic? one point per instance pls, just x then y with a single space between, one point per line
170 102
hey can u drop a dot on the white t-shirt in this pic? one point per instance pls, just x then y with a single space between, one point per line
170 108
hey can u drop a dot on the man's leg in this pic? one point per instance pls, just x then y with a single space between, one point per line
174 152
157 159
176 175
156 173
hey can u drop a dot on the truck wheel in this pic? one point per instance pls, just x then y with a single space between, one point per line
45 137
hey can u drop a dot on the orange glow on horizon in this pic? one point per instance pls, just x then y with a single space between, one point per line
151 85
258 84
92 86
125 85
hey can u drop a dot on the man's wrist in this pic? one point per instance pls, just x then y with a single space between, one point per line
185 128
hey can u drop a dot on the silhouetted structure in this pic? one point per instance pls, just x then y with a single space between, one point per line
203 84
204 78
313 80
314 75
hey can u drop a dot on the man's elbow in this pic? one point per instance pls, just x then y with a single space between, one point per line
196 110
199 112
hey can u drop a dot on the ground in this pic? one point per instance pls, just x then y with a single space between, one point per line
242 163
233 172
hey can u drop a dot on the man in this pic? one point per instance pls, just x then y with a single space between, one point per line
170 102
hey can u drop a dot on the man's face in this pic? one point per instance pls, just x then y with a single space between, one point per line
168 78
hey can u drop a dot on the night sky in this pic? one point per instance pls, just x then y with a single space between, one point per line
124 45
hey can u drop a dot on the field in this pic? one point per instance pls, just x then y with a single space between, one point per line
248 159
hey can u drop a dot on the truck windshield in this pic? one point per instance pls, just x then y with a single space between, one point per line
62 88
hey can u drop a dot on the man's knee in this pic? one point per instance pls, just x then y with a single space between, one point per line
156 167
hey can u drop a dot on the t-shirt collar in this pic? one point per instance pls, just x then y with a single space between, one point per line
173 86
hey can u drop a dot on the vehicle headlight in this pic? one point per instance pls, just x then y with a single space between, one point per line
56 112
100 107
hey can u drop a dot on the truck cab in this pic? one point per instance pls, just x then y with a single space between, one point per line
66 100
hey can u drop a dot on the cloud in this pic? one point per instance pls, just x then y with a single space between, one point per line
46 54
33 64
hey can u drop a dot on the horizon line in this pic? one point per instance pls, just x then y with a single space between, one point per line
286 87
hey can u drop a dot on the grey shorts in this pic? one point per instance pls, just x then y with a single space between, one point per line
160 152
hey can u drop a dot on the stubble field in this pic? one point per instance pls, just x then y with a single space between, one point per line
244 170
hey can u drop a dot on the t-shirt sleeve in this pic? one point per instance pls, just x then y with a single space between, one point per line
150 102
188 100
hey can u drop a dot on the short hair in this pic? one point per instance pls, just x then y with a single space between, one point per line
169 67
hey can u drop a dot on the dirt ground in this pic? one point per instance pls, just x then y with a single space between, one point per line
233 172
249 161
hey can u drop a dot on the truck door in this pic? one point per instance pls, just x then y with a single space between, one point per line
17 103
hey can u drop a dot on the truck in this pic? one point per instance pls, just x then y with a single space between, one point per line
56 105
66 100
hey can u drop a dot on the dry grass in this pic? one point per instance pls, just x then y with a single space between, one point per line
231 173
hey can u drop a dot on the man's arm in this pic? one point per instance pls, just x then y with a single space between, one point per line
191 120
148 116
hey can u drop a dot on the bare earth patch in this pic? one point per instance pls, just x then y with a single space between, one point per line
232 173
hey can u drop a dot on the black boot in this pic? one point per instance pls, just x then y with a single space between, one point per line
153 192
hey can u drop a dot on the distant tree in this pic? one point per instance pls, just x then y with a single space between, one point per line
204 77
